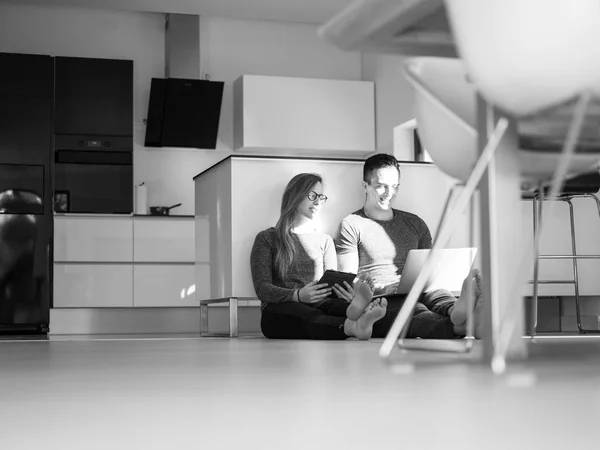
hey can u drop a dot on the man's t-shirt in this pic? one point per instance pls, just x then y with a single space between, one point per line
382 246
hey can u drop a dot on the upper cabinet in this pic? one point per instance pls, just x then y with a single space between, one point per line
93 96
304 116
26 90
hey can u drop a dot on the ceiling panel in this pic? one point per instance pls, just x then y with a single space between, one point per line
304 11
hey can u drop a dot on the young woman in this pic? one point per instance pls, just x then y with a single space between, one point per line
287 261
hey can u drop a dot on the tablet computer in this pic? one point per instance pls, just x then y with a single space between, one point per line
332 277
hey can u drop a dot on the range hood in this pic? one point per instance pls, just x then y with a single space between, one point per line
184 110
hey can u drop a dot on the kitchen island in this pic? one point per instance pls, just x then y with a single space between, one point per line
241 195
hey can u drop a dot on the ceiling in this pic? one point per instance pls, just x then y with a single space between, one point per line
304 11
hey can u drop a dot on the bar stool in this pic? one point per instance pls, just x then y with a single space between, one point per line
582 186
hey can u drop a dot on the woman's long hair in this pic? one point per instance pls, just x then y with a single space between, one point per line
295 192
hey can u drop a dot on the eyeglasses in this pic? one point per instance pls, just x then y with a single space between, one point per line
313 196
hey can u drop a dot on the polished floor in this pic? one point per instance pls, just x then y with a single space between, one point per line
251 393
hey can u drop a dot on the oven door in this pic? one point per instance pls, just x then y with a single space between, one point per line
102 185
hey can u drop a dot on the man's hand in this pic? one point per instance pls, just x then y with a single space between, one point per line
314 292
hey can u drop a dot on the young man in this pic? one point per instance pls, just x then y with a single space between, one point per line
374 243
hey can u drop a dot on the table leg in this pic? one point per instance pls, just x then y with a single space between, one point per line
501 241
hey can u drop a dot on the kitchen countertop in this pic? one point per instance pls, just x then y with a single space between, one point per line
125 216
310 158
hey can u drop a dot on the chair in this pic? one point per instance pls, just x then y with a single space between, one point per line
533 63
527 56
582 186
446 113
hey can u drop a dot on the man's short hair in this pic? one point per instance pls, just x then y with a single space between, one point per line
376 162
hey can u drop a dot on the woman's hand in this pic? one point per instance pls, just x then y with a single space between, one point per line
314 292
345 292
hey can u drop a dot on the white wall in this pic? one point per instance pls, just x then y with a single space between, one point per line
231 48
393 99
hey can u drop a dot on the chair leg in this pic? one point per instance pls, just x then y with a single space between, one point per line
400 326
575 268
447 207
441 224
537 217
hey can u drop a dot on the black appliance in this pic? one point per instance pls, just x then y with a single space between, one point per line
184 113
26 225
24 269
93 158
93 181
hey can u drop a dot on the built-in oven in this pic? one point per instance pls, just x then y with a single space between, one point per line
93 174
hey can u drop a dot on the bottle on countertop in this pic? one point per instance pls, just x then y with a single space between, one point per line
141 199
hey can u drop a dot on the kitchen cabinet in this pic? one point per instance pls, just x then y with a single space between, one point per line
90 239
26 101
94 96
93 285
26 91
158 285
163 239
111 261
304 116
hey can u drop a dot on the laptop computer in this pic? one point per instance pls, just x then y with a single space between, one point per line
453 266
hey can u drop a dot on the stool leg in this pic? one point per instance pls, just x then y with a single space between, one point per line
203 320
575 271
233 317
597 201
537 216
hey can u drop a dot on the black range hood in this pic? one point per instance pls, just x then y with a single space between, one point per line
184 113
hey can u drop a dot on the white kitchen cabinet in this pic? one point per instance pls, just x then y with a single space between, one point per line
93 285
304 116
164 239
164 285
93 239
124 262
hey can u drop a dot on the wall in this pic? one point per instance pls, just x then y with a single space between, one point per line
89 33
231 48
393 99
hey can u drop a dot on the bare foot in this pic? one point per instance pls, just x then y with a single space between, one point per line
363 327
362 297
471 287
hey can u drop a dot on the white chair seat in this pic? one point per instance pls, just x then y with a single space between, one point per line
528 55
446 112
